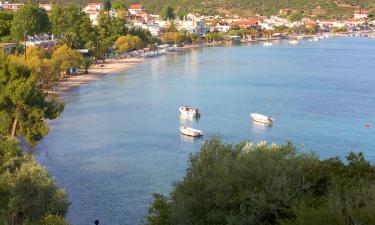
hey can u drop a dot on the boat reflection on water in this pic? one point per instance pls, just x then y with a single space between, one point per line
259 127
184 118
189 139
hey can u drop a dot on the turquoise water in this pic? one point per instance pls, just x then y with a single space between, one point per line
117 141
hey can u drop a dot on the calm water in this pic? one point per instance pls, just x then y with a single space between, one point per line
117 141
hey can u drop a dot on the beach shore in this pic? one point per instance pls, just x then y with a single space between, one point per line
95 72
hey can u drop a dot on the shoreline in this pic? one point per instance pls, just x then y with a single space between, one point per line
110 66
95 72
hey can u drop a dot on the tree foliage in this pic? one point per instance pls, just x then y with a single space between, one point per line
119 5
29 20
72 25
247 183
107 5
66 58
24 108
30 195
167 13
296 15
127 43
6 18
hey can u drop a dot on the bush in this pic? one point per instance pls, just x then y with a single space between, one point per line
28 193
249 183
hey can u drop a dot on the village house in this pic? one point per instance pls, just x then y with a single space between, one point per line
154 29
222 28
47 7
360 14
356 21
8 47
44 41
134 9
330 23
10 6
193 24
93 10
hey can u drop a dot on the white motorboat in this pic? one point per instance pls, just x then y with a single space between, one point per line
316 38
188 131
188 111
299 37
262 118
267 43
293 42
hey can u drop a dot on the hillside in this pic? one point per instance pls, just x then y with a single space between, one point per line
316 8
319 8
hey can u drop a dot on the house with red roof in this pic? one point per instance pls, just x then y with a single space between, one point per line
356 21
135 9
93 9
360 14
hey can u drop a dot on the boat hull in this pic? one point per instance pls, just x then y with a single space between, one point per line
261 118
187 131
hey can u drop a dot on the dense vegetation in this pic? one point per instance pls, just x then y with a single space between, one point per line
268 184
320 8
28 195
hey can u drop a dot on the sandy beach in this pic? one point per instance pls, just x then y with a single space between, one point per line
95 72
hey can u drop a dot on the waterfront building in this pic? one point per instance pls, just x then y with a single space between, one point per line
360 14
134 9
44 41
356 21
330 23
8 47
154 29
10 6
222 28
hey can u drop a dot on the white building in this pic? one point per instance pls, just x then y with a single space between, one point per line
360 14
10 6
154 29
193 24
222 28
44 41
93 9
47 7
134 9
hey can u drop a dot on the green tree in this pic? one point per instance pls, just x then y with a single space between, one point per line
107 5
6 18
143 34
29 192
41 66
214 36
66 58
29 20
87 62
127 43
119 5
247 183
24 108
72 25
167 13
296 15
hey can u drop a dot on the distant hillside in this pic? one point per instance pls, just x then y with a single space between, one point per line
319 8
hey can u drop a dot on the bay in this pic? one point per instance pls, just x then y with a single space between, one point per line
118 140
